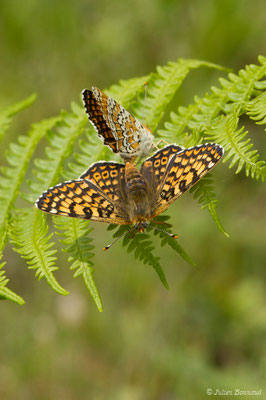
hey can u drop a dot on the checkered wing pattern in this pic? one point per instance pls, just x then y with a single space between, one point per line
117 127
154 167
96 117
110 177
176 173
98 199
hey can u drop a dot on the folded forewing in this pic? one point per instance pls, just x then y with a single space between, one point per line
117 127
96 116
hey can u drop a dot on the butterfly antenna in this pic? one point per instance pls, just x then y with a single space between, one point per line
167 233
119 237
145 97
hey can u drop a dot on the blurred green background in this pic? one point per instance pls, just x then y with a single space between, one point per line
209 330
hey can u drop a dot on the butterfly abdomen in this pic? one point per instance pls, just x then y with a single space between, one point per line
136 188
135 181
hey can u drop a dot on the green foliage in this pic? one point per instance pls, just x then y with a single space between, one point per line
29 235
215 117
239 152
18 158
231 100
162 87
204 192
127 90
143 249
69 126
75 234
6 115
6 293
256 109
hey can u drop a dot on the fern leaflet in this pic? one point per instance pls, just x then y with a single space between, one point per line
6 293
7 114
29 235
204 192
239 152
256 109
75 236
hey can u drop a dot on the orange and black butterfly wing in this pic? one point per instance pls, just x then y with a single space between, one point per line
98 118
98 195
115 125
180 173
153 168
82 199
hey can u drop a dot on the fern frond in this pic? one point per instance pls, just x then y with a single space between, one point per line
256 109
237 90
238 151
7 114
18 157
234 94
5 293
142 247
48 170
204 192
75 237
162 86
29 236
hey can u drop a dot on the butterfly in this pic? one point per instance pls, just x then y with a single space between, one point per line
119 130
123 194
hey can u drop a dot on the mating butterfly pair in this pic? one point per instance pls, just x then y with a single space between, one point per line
121 193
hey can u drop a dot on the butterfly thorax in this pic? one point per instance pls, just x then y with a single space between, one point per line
137 194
